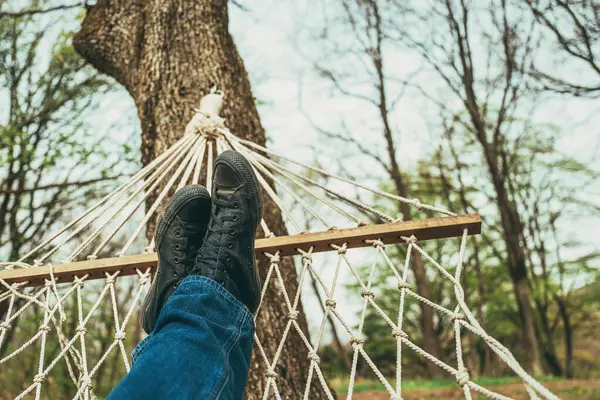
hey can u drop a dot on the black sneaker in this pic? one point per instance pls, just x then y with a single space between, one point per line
179 235
227 254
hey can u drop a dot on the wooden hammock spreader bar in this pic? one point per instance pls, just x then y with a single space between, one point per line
434 228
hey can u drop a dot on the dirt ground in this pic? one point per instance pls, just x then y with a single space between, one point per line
576 389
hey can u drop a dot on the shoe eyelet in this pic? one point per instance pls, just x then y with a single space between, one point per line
175 273
235 218
229 245
232 231
177 247
249 248
177 233
236 204
176 260
228 259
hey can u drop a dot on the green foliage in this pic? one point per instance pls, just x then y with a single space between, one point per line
51 165
100 334
50 160
545 187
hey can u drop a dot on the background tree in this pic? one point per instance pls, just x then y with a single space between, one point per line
168 55
52 164
475 70
363 22
490 97
574 27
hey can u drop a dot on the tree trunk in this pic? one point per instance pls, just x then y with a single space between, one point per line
548 348
168 54
430 341
481 353
513 232
568 332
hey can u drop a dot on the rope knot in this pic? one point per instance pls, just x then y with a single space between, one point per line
403 285
456 316
306 258
81 329
110 280
417 203
44 328
412 239
78 282
38 263
40 378
271 374
356 342
47 283
462 377
366 292
314 357
144 278
396 332
293 315
92 257
330 303
5 326
376 243
275 259
85 382
120 335
342 250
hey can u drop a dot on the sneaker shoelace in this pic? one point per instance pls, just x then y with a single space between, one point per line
208 254
188 249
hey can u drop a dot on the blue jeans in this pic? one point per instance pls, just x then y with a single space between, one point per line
200 348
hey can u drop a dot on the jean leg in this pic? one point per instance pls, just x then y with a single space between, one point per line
200 348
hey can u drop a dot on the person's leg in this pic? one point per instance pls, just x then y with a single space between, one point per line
201 343
200 349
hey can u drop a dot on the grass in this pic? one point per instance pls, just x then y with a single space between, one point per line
363 385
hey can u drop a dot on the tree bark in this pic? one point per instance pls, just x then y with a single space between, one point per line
568 332
168 54
430 342
513 232
482 350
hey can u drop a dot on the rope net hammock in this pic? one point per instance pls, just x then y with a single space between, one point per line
48 282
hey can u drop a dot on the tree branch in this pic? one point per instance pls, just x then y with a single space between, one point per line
35 11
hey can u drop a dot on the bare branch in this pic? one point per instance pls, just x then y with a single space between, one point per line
35 11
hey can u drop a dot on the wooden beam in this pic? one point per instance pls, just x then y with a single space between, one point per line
425 229
434 228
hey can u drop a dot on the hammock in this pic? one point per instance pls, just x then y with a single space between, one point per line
51 277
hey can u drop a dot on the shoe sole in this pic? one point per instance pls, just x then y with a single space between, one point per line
243 166
176 203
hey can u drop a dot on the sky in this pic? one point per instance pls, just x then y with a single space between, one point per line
270 38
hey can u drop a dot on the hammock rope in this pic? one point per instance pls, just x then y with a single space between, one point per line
113 218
